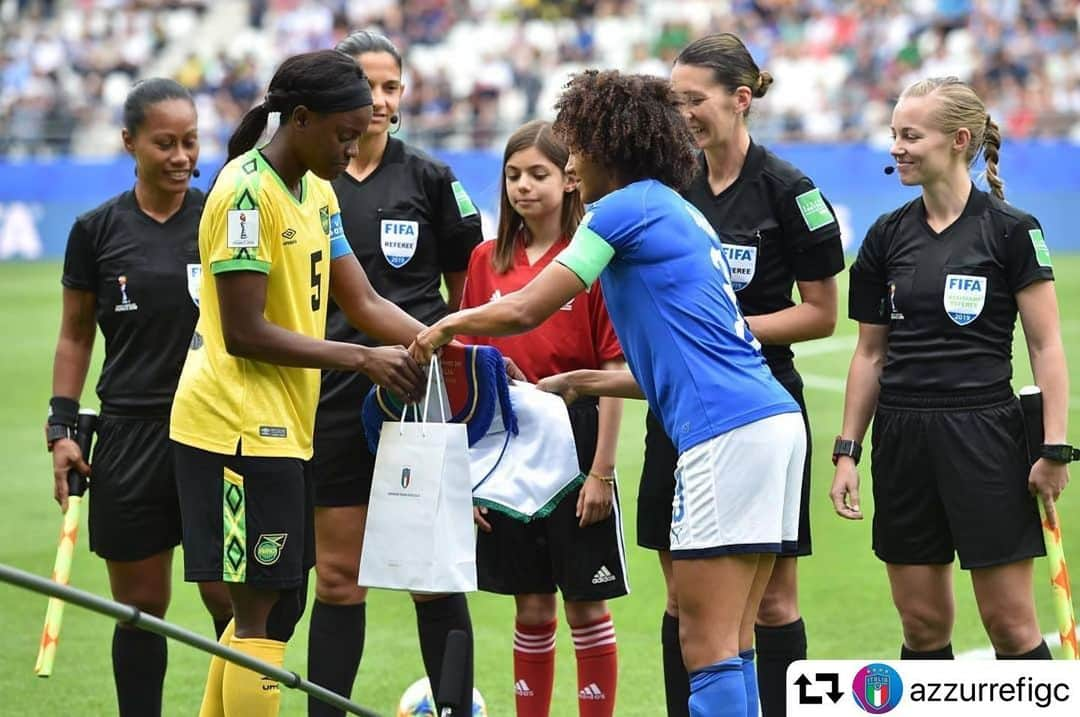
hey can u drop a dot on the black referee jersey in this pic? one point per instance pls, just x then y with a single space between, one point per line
776 227
949 297
145 275
408 222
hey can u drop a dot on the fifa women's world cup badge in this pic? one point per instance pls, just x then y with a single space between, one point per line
877 688
125 304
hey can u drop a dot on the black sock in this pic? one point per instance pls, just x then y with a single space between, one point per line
942 653
139 659
777 647
434 621
676 681
335 646
1042 652
220 625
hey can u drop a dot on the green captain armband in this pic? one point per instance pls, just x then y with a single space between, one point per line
587 255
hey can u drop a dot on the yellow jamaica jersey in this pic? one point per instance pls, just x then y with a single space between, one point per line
252 222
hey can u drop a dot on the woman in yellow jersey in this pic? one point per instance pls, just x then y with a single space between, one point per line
272 252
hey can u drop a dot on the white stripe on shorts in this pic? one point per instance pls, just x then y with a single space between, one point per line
740 491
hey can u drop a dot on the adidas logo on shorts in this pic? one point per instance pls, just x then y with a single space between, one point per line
591 691
603 575
521 689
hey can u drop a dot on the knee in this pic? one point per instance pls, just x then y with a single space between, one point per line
215 596
335 580
1012 631
926 626
152 601
777 608
536 609
579 614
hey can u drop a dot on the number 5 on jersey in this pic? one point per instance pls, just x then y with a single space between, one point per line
316 280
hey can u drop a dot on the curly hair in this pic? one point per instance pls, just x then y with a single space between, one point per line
629 124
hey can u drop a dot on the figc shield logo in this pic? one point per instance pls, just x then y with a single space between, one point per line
877 689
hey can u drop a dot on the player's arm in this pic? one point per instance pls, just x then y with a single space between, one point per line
577 267
71 363
597 494
515 313
813 318
1038 307
617 383
248 334
860 399
365 308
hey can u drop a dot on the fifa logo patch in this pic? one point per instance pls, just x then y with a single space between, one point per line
742 262
398 239
194 278
125 304
964 297
242 229
268 549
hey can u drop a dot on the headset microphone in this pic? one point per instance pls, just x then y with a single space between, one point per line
195 172
888 170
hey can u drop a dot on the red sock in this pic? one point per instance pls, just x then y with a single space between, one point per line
534 668
597 667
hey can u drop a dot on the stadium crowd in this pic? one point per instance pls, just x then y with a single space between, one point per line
478 68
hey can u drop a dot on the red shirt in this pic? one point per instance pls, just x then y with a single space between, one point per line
579 335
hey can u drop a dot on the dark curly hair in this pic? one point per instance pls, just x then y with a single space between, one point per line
627 123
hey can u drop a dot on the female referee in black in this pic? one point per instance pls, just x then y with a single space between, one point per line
778 231
128 268
411 225
936 290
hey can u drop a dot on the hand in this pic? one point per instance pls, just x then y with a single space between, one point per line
1047 481
67 456
560 383
512 370
478 513
845 490
594 501
428 341
393 368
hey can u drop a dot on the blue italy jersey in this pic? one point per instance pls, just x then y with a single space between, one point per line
668 291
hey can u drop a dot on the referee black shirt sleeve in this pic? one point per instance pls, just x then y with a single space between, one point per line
868 291
80 262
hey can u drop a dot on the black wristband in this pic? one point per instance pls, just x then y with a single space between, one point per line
63 411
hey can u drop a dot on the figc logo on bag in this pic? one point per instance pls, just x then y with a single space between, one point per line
877 688
406 477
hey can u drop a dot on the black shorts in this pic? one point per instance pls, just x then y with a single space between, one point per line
950 474
545 554
656 492
246 519
342 468
134 508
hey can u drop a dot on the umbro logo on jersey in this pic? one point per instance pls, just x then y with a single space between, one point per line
592 692
603 575
289 235
522 689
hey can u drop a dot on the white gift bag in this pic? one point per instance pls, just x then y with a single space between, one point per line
419 534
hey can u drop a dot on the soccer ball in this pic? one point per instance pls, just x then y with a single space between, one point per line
417 701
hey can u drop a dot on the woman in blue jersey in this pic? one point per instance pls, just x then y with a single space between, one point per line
668 290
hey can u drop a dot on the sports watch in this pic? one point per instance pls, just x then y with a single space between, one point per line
846 447
1059 452
55 431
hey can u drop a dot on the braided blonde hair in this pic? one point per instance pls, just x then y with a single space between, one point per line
959 106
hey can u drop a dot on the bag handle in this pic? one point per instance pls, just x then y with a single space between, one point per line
434 378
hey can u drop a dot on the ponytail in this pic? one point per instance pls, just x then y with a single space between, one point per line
251 127
991 154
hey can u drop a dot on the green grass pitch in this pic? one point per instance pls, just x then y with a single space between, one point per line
844 592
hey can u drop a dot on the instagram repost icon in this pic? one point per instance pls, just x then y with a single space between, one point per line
877 688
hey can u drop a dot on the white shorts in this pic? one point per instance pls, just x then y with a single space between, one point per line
739 492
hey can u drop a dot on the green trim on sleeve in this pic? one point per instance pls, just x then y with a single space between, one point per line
587 255
220 267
